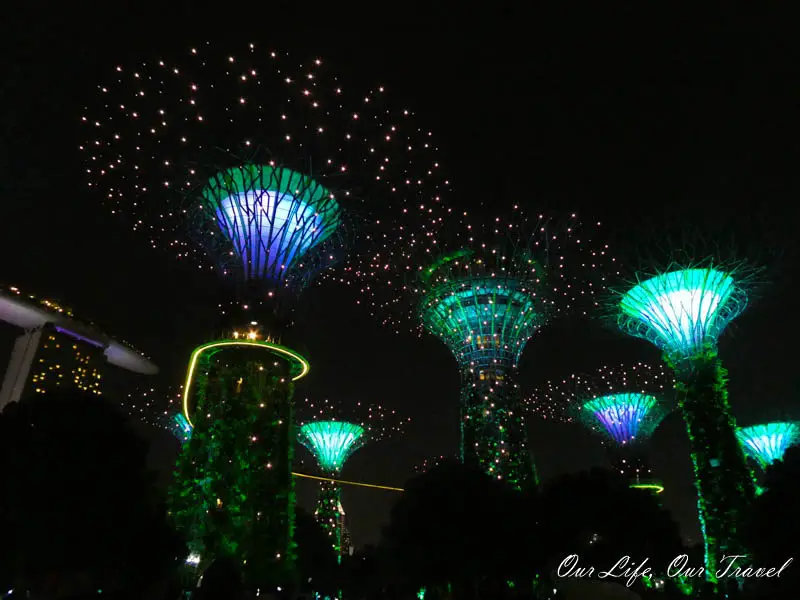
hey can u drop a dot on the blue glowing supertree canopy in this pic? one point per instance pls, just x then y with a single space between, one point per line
272 218
683 311
258 162
625 403
768 442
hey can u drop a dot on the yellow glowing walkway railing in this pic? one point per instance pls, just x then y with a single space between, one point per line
342 481
301 366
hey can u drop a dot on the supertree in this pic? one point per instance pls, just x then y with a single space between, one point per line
768 442
484 290
624 403
683 308
254 166
484 293
332 432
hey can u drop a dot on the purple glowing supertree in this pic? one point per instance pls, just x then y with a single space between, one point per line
625 404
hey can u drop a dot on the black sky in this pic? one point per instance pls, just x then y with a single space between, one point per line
624 116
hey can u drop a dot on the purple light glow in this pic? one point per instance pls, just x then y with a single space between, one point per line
625 416
76 336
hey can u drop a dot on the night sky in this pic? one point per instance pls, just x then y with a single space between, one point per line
627 118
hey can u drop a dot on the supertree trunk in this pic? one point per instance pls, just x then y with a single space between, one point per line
723 480
493 430
328 515
234 493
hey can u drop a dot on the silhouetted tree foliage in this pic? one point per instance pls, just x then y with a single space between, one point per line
316 561
222 580
596 515
773 531
78 499
365 574
454 524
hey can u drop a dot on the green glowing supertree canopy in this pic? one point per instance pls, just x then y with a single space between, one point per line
484 290
625 404
683 309
768 442
331 432
331 442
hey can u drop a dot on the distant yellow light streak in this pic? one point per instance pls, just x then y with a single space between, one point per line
305 367
367 485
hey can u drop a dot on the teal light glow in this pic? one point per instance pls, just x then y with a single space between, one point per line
485 301
271 216
482 320
682 312
624 417
767 443
181 428
331 442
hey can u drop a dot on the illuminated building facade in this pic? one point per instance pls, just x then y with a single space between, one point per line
63 361
55 351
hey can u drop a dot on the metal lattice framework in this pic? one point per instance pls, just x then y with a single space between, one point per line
331 431
626 403
483 320
485 293
275 220
331 442
625 417
768 442
682 306
623 403
683 311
